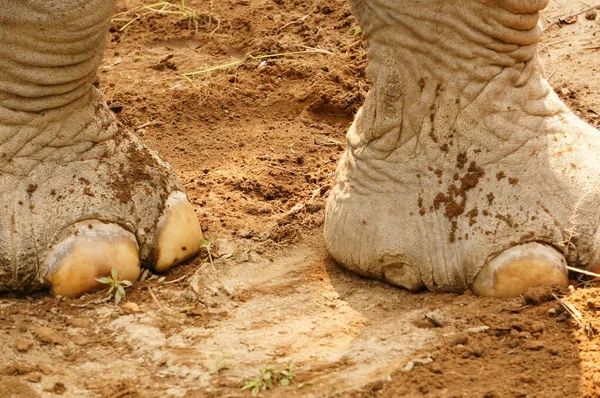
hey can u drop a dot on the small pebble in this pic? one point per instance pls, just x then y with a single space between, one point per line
533 345
437 318
50 336
537 327
80 322
34 377
460 338
435 368
58 388
478 329
527 379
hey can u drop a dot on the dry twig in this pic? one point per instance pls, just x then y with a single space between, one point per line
253 57
93 302
574 312
179 279
564 17
584 272
158 304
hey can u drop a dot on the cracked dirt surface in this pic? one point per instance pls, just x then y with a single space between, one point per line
256 146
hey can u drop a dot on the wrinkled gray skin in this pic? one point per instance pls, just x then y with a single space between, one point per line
461 150
63 158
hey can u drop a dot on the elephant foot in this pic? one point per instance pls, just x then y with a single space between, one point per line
79 196
102 202
94 248
463 172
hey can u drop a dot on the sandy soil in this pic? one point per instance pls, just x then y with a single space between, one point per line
256 145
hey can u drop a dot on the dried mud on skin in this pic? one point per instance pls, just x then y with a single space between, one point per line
256 146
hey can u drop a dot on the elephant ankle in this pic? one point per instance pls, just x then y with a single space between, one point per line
452 38
442 72
50 52
63 135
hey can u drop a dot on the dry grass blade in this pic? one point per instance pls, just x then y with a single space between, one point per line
217 67
584 272
574 312
155 299
93 302
179 279
253 57
297 21
167 8
151 123
117 62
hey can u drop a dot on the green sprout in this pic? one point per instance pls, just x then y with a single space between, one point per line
207 246
117 286
148 276
269 378
222 363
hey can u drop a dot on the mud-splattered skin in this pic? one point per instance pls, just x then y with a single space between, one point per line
463 162
69 176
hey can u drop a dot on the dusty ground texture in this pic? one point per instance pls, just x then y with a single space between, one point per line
256 145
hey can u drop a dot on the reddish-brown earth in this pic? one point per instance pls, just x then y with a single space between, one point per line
256 145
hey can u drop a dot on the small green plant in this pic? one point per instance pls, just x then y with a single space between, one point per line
148 276
269 378
221 363
207 246
116 286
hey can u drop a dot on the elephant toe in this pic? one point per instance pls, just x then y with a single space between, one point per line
519 268
90 249
179 235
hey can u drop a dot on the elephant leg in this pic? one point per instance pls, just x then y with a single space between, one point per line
79 195
463 169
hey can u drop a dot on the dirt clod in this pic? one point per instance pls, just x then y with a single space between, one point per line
534 345
538 295
459 338
22 344
80 322
34 377
58 388
49 336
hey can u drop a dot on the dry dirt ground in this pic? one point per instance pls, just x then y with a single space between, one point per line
256 144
